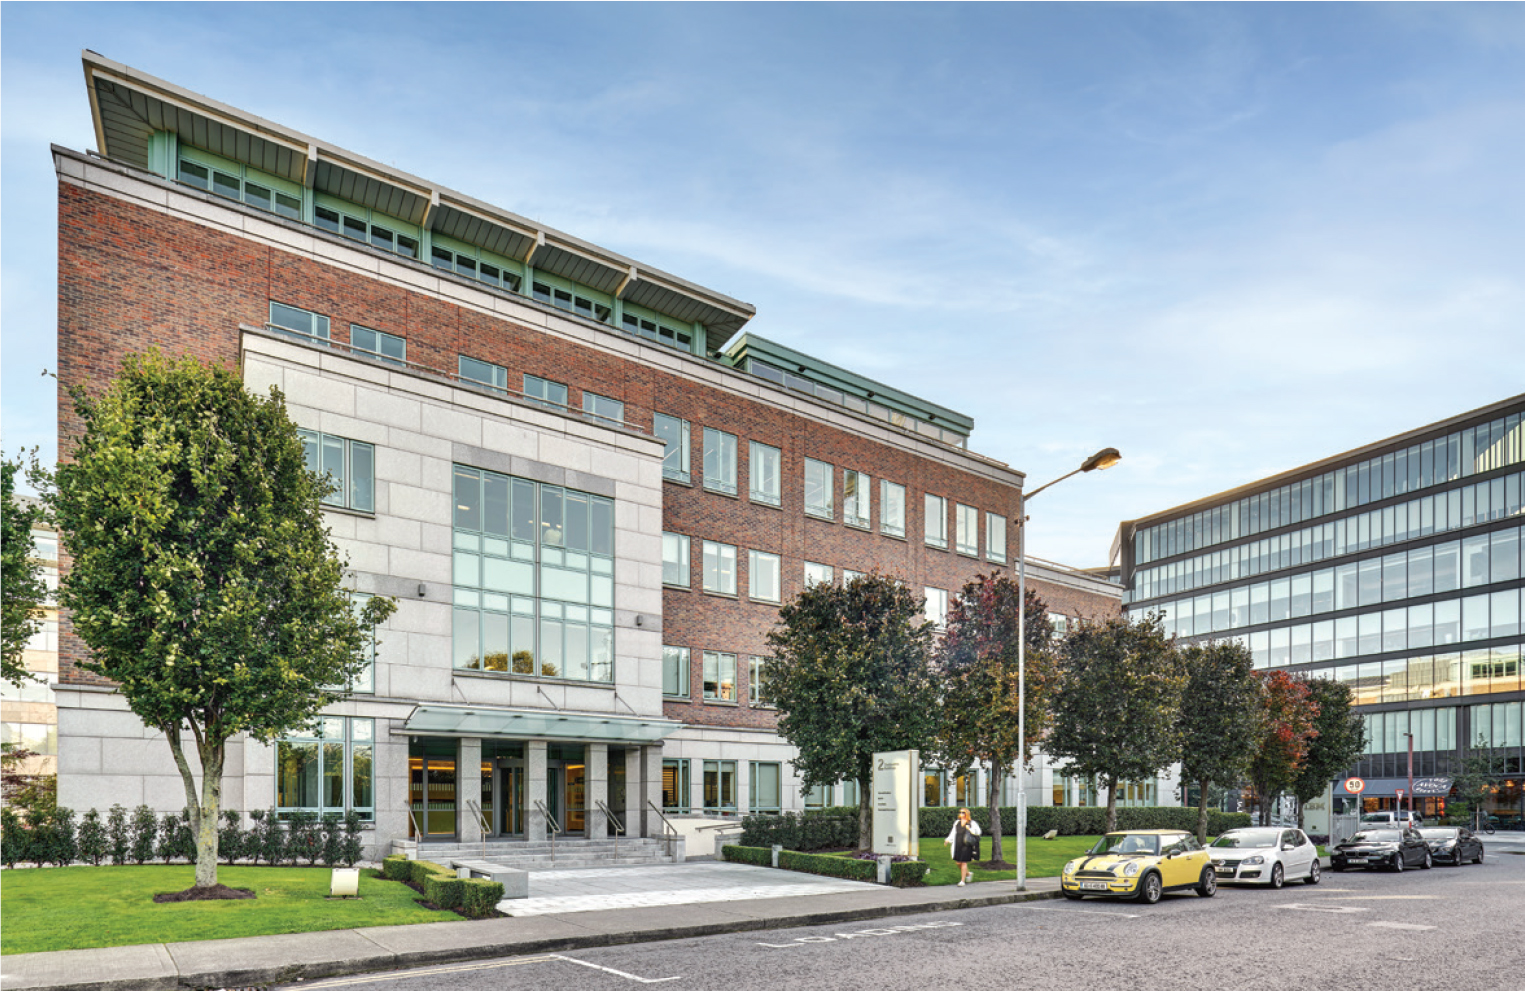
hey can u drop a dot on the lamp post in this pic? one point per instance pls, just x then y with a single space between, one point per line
1105 458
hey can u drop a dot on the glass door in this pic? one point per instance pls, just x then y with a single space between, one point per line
511 798
431 797
575 800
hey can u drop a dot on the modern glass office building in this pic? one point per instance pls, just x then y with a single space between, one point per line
1394 568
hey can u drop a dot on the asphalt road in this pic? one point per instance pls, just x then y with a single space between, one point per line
1444 928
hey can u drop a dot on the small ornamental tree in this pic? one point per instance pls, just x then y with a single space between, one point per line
203 579
1116 708
851 676
1221 714
20 576
1477 777
1338 741
1288 727
978 662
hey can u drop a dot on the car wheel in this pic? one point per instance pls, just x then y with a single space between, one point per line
1398 863
1150 889
1429 861
1209 885
1479 859
1314 874
1278 876
1073 896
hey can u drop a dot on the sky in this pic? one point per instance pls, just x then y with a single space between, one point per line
1227 240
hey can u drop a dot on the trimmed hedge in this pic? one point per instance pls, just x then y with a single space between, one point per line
443 890
397 868
757 856
825 829
419 871
908 873
479 897
1082 821
815 863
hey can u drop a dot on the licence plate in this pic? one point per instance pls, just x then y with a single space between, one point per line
1355 860
1094 885
1224 870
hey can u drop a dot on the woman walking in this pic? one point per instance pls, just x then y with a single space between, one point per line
965 840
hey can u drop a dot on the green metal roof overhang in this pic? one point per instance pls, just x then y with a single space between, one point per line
534 724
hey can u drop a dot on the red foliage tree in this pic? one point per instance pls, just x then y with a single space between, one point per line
1290 712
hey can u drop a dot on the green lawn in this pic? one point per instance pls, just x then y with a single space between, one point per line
69 908
1045 858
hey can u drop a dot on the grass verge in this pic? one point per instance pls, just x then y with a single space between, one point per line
72 908
1045 858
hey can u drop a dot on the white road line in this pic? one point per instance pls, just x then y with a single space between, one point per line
1399 925
611 970
1081 911
1331 909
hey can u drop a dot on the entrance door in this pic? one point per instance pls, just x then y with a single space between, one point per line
565 793
511 798
431 796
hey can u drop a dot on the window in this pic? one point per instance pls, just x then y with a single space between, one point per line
1060 623
545 392
389 348
534 578
350 466
891 509
848 575
674 433
818 497
719 677
365 680
603 408
937 521
719 461
764 781
366 226
298 322
766 467
675 559
719 568
652 328
571 300
40 738
233 181
815 573
764 577
329 773
755 679
474 264
494 377
855 499
720 786
675 786
937 607
675 672
966 529
995 538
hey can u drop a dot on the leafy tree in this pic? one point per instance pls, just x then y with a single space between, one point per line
1115 711
978 661
20 576
1284 737
851 676
1338 740
203 579
1221 714
1474 781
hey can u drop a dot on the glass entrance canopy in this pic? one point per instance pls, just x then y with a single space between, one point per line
534 724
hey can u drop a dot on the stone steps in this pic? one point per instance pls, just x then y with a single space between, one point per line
539 856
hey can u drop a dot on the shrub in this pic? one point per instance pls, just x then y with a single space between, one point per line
420 870
397 868
1087 820
824 830
231 838
269 840
304 838
444 890
145 832
119 836
352 848
755 855
93 842
812 863
59 846
15 838
479 897
333 840
908 873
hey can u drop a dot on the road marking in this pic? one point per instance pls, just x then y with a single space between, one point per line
885 931
1331 909
1081 911
1390 898
428 972
1399 925
611 970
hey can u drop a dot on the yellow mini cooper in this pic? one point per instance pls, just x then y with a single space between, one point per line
1142 864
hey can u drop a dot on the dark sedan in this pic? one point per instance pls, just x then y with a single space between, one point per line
1393 847
1453 845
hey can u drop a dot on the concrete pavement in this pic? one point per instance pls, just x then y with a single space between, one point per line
265 960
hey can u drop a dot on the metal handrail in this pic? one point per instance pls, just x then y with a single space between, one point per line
619 827
418 834
670 832
552 827
481 821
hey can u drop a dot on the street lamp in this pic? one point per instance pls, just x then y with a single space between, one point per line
1105 458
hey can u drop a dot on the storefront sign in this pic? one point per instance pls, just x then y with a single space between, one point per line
897 820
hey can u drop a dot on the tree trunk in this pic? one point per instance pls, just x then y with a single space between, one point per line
1111 805
206 807
1202 812
866 815
993 791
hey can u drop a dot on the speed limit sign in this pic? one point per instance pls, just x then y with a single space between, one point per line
1355 785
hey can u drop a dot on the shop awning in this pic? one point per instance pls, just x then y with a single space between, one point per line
534 724
1383 787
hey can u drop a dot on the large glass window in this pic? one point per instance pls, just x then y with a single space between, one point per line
818 495
719 568
675 560
298 322
720 786
494 377
936 521
937 606
966 532
603 408
675 672
388 347
764 786
719 461
817 573
545 392
350 466
674 433
534 578
891 509
995 538
675 785
719 676
755 679
364 680
764 577
328 773
856 489
767 472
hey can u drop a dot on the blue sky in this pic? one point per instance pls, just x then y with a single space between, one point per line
1225 239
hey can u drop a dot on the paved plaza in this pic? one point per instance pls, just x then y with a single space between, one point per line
599 888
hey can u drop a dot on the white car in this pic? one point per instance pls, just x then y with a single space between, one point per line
1271 856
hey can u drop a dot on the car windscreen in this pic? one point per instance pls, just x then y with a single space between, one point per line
1441 833
1377 836
1126 843
1377 817
1242 838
